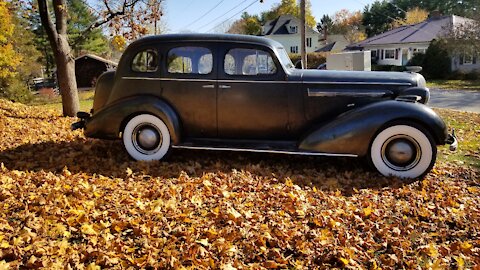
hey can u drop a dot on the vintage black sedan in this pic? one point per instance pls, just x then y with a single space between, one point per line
242 93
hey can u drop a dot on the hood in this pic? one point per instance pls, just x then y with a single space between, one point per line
360 77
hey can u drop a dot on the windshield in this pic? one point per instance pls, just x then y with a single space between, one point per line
284 58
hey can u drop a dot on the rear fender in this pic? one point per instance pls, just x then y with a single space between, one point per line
109 122
352 132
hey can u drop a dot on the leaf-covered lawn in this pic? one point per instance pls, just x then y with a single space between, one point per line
454 84
76 203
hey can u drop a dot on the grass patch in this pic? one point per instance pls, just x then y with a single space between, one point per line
55 103
454 84
467 127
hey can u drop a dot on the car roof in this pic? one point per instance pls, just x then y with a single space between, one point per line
206 37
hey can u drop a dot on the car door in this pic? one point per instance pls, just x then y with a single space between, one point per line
252 94
189 85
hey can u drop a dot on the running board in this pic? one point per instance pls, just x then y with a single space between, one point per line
262 151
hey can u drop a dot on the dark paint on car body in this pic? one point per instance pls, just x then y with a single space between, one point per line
278 108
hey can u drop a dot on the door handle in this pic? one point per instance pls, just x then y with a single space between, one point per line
208 86
223 86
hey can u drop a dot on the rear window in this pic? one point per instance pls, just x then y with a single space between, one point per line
190 60
145 61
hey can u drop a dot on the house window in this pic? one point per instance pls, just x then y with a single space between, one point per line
415 51
293 29
309 42
468 58
294 49
390 54
374 54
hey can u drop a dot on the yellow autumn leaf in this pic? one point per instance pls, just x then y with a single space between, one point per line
233 213
203 242
460 262
466 246
367 211
4 265
88 229
93 266
344 261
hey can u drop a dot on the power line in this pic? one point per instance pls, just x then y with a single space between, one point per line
251 4
222 15
205 14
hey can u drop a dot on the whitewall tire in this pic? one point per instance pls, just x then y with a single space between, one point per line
403 150
146 137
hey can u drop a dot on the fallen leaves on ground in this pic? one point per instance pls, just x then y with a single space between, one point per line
71 202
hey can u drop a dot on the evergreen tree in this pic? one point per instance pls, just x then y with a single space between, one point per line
81 17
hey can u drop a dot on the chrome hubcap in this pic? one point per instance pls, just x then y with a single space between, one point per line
146 138
401 152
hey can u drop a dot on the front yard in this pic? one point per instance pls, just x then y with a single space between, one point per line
71 202
473 85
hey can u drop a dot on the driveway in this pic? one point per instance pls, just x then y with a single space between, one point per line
455 99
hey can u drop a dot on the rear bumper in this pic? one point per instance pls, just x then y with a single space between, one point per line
84 116
452 140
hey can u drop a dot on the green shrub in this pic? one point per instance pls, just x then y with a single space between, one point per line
388 68
457 75
313 59
417 60
437 64
15 89
472 75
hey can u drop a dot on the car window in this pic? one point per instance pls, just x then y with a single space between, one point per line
249 62
145 61
190 60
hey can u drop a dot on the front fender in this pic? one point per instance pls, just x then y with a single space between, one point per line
107 123
352 132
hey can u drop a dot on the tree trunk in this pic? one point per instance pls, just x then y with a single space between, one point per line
66 77
57 36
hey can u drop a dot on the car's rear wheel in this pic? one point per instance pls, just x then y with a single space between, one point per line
405 150
146 137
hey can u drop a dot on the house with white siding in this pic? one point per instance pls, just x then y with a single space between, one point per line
397 46
286 30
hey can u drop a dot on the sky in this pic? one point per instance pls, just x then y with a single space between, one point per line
207 15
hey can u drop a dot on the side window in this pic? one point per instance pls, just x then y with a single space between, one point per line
190 60
248 62
145 61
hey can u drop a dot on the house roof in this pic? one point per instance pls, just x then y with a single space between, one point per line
98 58
425 31
326 48
278 26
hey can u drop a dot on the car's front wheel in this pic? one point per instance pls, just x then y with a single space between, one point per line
146 137
404 150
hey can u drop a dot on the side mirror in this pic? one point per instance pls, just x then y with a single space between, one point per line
298 64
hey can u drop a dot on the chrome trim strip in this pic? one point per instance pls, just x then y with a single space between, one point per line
360 83
262 151
168 79
253 81
208 86
323 93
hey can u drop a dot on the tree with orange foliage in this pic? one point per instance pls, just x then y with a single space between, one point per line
348 24
412 16
9 58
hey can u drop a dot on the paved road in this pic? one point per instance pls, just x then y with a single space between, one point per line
455 99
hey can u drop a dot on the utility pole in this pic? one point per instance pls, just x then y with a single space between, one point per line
303 28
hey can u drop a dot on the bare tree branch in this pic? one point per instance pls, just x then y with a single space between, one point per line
47 22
